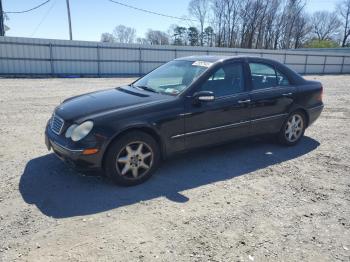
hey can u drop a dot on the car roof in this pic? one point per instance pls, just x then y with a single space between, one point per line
213 59
216 58
206 58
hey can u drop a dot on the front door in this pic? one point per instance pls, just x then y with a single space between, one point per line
225 118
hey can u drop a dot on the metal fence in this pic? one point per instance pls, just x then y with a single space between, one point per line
32 56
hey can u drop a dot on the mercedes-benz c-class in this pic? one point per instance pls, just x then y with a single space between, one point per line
187 103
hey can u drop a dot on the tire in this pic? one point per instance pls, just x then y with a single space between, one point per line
291 132
127 163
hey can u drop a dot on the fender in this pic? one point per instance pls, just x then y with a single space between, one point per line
146 127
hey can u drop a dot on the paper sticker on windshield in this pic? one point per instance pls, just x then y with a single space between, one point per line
202 63
172 91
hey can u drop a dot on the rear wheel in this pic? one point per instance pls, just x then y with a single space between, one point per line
293 129
132 158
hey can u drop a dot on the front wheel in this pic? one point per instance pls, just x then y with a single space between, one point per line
293 129
132 158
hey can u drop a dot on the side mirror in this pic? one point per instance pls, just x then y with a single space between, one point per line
203 96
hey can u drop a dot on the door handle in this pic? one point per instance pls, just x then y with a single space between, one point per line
287 94
244 101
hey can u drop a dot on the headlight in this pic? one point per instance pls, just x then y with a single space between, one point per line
70 130
78 132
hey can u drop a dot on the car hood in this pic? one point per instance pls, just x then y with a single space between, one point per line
105 101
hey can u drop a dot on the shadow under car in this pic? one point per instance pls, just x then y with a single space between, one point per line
59 192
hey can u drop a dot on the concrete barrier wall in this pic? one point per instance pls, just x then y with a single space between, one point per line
33 56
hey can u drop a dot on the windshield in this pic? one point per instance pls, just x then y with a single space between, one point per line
173 77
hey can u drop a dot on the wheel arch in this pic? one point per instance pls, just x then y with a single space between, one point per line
306 114
302 110
142 128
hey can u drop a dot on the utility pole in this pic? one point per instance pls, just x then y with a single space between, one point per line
2 26
69 21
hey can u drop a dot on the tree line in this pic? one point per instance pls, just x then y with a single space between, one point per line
265 24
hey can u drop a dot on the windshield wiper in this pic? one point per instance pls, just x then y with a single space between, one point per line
147 88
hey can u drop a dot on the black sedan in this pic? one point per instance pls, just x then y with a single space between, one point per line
187 103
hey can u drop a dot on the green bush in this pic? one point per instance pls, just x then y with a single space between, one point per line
315 43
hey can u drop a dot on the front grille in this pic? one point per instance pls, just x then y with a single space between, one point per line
57 124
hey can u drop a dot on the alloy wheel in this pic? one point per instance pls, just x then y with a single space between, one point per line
134 160
294 127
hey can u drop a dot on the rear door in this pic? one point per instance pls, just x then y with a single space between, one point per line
271 97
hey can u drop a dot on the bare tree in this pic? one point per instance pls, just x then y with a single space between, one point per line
344 11
253 14
226 21
292 12
155 37
248 24
259 23
107 38
325 24
231 20
199 10
218 7
124 34
142 41
302 30
271 25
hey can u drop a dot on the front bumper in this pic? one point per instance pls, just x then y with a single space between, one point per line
72 155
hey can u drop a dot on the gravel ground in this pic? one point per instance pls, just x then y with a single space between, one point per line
247 201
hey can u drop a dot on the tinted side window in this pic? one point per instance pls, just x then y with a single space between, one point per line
226 81
219 75
282 80
263 76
